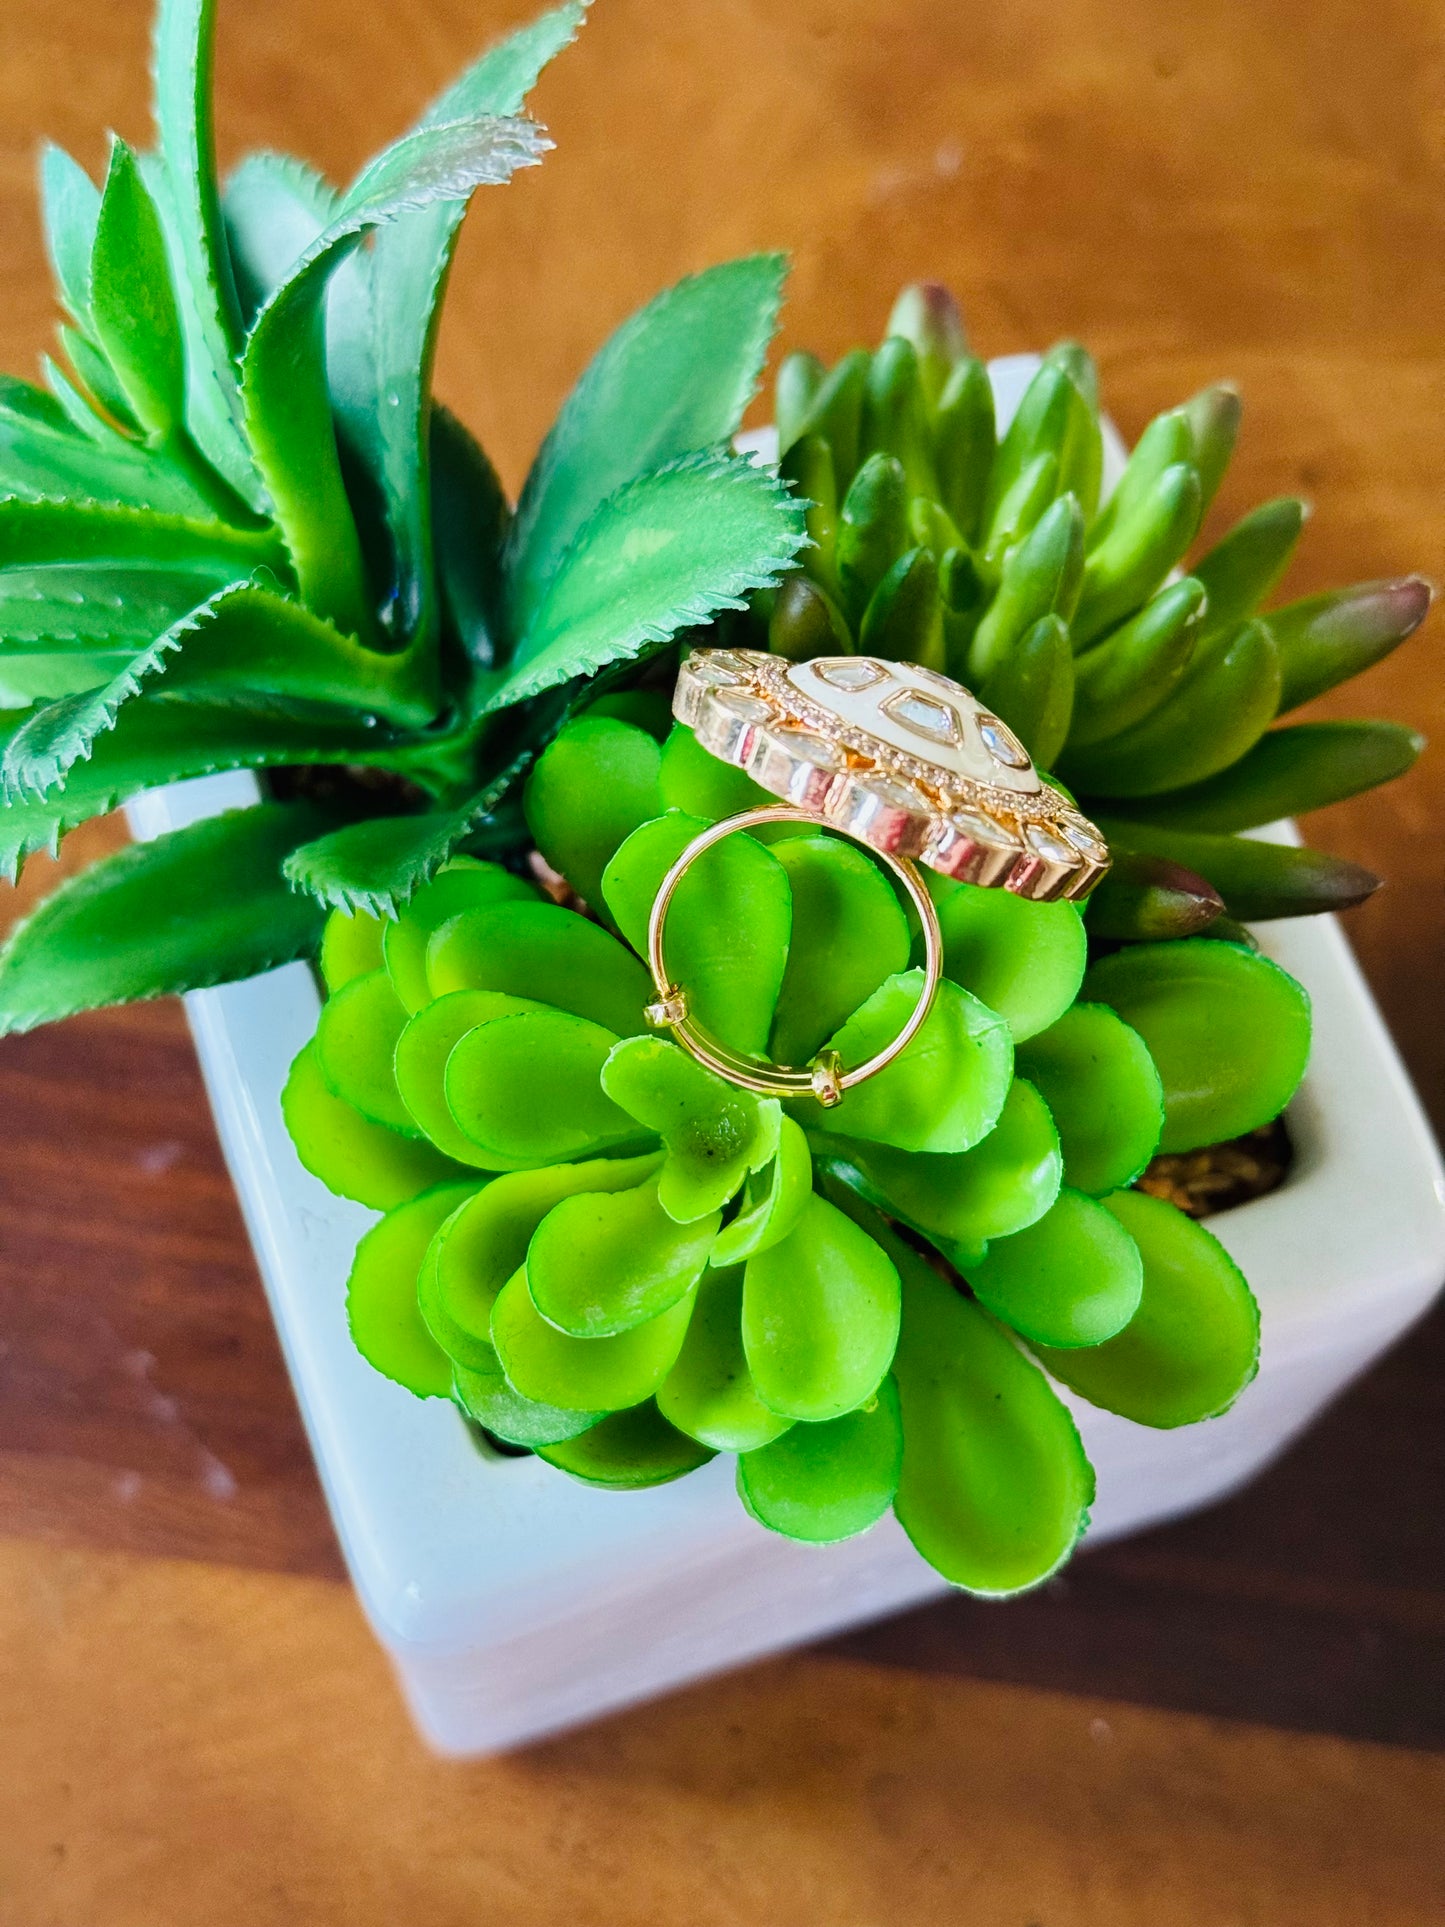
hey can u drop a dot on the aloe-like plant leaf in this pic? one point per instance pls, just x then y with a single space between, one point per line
243 642
674 378
166 742
71 202
204 905
664 553
377 865
65 607
283 371
381 358
470 515
132 305
183 181
44 460
274 208
78 532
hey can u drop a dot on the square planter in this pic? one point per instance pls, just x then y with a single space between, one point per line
514 1601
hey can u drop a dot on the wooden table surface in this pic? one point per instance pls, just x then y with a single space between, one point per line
1236 1721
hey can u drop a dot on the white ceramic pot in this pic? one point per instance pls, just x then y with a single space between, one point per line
513 1601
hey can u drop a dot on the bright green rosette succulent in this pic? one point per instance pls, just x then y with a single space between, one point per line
608 1255
238 532
1147 681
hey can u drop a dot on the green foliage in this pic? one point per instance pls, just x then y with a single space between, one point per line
1153 693
632 1264
240 534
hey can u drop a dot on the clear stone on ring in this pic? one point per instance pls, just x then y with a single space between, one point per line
891 815
728 723
795 765
974 848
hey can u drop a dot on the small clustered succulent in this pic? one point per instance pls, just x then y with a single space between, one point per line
1146 683
240 533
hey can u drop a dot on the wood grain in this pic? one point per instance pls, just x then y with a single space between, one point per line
1248 191
245 1763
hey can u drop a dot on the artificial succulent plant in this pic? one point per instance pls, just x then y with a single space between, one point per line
612 1257
1147 682
238 533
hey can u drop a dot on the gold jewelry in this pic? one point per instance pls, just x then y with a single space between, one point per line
825 1078
899 759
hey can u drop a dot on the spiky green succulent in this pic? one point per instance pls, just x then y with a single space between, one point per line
1149 683
239 533
607 1255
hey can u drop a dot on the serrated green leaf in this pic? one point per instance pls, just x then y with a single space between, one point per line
151 920
377 865
274 207
71 202
183 181
132 305
166 742
244 641
76 532
470 515
40 461
65 607
95 393
381 357
674 378
664 553
284 389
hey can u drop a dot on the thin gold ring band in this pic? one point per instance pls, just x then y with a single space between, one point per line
825 1078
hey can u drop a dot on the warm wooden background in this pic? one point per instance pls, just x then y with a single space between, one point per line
195 1725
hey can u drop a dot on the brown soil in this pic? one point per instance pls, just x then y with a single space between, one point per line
1222 1175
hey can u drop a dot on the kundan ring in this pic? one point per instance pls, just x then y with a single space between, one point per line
895 757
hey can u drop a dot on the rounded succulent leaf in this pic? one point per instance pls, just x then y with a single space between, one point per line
1193 1344
1228 1030
822 1483
603 1262
484 1395
528 1088
543 952
485 1240
589 790
728 924
350 947
628 1450
695 781
1103 1089
583 1374
420 1061
1071 1278
350 1154
381 1294
462 884
1024 960
961 1201
943 1093
773 1201
709 1393
356 1043
820 1316
714 1133
849 934
995 1487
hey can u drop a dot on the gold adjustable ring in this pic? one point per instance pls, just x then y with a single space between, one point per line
825 1078
898 758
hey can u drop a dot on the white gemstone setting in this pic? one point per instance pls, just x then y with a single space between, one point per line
898 756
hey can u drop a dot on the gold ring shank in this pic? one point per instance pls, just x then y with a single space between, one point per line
825 1078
